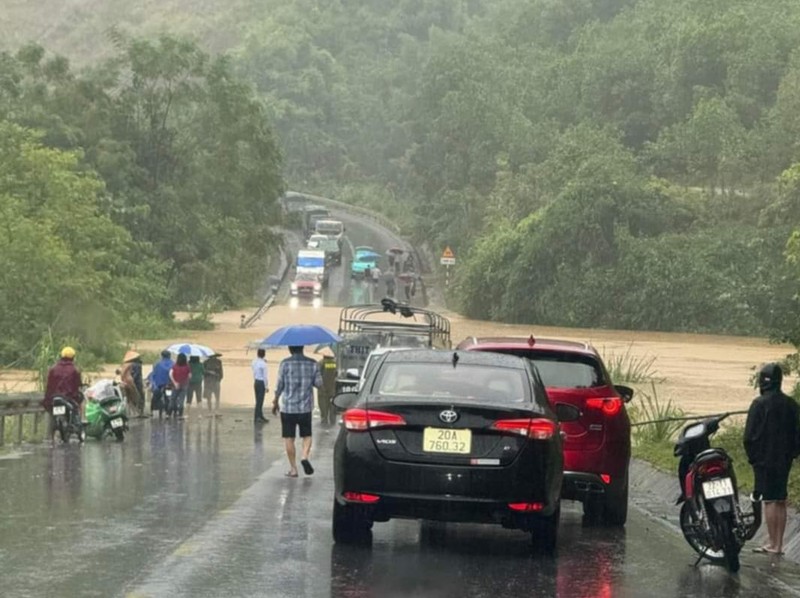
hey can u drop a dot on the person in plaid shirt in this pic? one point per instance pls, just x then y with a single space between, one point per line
297 377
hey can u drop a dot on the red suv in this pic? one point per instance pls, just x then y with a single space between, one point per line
597 447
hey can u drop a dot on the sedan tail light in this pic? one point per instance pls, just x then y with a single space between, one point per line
538 429
358 420
610 406
362 497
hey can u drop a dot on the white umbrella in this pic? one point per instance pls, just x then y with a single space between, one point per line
191 350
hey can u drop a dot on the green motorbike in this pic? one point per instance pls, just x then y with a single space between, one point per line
106 411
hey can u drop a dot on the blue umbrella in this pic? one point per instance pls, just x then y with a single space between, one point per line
191 350
300 335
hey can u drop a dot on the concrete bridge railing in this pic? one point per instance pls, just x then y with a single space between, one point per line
18 405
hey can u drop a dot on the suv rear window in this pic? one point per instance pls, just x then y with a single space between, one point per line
442 380
563 369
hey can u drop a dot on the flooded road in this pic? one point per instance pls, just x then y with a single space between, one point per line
201 508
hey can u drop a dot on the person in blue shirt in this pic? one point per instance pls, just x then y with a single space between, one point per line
159 378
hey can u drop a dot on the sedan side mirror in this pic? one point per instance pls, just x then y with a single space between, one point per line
626 392
352 374
567 413
345 400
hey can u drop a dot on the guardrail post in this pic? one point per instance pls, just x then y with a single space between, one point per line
19 428
36 417
2 429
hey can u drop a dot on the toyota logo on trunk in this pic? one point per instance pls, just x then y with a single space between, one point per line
448 416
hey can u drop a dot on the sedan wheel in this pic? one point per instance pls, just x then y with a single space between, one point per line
348 526
544 533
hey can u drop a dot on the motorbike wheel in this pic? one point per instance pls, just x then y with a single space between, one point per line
58 429
696 537
730 546
119 433
81 435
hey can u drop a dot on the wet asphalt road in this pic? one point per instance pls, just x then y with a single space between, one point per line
202 508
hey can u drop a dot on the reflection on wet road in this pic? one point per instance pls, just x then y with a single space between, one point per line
201 508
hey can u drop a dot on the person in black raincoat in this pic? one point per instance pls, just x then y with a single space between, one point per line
772 442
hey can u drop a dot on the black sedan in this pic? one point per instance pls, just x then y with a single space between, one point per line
449 436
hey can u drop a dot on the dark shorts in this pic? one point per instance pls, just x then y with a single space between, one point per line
771 483
291 421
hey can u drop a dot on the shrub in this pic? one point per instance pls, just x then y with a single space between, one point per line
628 368
649 408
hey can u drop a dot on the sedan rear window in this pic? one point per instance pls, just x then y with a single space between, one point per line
463 382
564 369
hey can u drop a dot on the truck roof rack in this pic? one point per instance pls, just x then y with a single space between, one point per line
355 320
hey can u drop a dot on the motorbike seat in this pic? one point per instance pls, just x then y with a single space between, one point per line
712 454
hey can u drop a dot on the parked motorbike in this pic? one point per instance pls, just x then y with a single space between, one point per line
160 401
172 406
106 410
67 419
711 518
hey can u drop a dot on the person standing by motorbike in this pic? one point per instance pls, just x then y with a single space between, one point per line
212 379
772 442
64 380
131 376
160 379
179 375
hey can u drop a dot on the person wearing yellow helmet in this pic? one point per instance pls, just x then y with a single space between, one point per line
64 380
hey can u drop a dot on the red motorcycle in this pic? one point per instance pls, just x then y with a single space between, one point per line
712 520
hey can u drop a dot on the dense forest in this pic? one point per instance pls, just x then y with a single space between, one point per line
614 163
146 183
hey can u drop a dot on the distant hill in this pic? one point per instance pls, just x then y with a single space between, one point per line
78 28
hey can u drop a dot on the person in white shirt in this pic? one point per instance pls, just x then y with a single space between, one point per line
260 385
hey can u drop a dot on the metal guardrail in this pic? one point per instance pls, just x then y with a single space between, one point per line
269 301
346 207
18 405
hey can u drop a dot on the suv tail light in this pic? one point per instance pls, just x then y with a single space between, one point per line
526 507
538 429
358 420
610 406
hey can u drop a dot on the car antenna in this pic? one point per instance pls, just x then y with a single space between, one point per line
455 358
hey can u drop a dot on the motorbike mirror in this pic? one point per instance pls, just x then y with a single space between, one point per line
345 400
626 392
567 413
352 374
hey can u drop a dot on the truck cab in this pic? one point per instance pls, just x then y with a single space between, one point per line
312 262
330 228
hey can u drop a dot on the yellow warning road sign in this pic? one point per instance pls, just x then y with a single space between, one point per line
448 257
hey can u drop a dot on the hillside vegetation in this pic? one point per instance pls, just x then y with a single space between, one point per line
142 185
619 163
